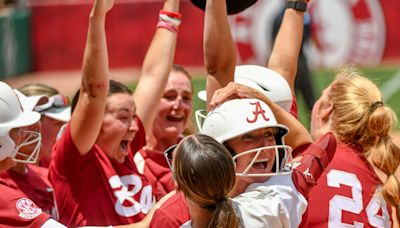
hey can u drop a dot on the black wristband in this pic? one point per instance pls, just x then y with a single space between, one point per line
297 5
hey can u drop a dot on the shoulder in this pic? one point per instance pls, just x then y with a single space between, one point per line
41 171
172 213
17 210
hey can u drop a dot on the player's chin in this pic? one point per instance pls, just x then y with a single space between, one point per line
252 179
120 155
259 179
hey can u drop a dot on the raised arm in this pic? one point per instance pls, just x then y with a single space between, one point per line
88 115
286 49
156 68
219 48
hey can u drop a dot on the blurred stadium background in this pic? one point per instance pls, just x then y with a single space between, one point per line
43 41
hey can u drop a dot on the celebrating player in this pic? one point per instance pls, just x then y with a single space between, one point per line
55 113
220 61
172 120
350 193
95 179
31 179
17 210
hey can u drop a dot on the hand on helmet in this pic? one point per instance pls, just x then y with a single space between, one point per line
234 91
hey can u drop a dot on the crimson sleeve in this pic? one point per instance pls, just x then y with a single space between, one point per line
315 157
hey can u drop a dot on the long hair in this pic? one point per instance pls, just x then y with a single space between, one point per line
205 173
362 120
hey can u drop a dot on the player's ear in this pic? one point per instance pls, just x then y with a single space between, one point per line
177 186
327 112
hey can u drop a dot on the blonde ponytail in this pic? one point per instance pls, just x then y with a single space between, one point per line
362 120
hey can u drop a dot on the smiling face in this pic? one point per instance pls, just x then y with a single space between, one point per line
250 141
119 127
175 108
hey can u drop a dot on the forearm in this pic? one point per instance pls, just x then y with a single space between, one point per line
286 49
219 48
298 134
95 70
155 70
162 47
88 115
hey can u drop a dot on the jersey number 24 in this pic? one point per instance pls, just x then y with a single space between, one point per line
339 203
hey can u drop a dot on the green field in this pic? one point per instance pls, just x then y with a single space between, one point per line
387 78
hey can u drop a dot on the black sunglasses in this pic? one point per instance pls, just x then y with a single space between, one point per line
168 156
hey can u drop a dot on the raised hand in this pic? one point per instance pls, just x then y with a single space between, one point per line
101 7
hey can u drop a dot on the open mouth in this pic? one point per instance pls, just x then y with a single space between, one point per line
175 118
124 146
261 164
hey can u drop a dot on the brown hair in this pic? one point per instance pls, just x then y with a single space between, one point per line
205 173
362 120
115 87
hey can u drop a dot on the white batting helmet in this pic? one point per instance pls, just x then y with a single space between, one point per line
240 116
12 116
272 84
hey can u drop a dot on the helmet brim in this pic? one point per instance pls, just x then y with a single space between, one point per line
24 119
283 130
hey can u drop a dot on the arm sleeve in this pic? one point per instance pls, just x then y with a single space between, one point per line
66 155
315 159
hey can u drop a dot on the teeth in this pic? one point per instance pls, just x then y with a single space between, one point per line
263 160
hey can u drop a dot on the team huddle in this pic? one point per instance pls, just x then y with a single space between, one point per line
114 157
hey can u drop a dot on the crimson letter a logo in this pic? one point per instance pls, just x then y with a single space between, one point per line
257 111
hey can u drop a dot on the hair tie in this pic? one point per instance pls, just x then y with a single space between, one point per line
221 200
376 105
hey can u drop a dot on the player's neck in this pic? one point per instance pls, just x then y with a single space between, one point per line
199 216
160 144
239 187
20 168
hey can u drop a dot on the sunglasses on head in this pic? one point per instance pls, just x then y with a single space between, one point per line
168 156
56 101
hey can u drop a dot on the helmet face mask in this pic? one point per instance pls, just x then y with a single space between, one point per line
264 161
237 117
12 116
30 137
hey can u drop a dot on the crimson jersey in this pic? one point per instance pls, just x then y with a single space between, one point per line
35 185
173 213
347 194
293 108
96 190
16 210
154 167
